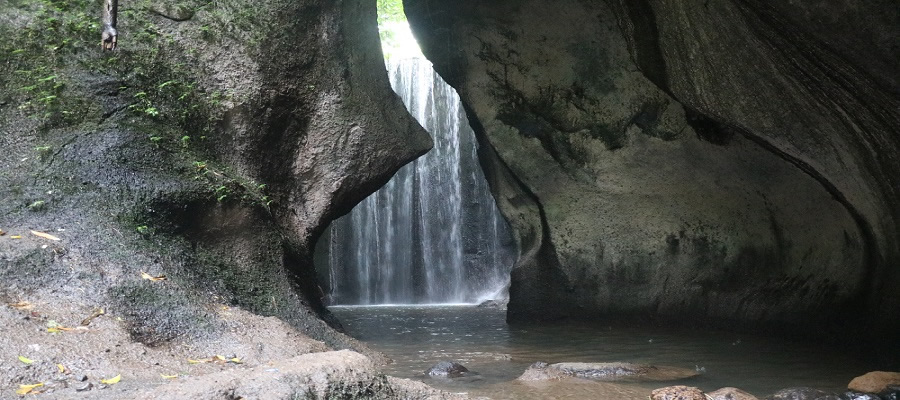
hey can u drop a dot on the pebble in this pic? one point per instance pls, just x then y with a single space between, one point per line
85 387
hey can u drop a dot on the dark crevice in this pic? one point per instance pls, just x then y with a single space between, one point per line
551 283
646 46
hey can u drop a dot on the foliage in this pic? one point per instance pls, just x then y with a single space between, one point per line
33 58
390 14
390 11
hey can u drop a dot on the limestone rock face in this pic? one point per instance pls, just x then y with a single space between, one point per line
212 147
734 161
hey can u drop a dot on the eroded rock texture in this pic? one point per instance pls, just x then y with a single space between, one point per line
732 161
212 148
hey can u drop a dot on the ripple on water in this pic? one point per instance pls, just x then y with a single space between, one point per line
418 337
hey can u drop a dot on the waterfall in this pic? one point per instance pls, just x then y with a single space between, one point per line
433 233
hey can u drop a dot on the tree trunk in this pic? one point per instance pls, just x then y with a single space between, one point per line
109 36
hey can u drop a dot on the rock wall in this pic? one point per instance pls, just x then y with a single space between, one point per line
729 162
212 147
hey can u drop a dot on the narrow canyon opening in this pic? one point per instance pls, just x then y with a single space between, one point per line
433 234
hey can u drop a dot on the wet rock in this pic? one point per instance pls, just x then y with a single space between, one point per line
893 393
859 396
802 393
447 369
730 393
84 387
677 393
83 378
329 375
539 372
874 382
493 304
605 372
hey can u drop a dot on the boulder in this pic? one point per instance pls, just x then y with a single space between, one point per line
802 393
730 393
447 369
678 393
605 372
874 382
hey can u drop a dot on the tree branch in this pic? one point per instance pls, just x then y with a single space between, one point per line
110 14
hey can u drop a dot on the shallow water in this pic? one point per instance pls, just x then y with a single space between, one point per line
416 337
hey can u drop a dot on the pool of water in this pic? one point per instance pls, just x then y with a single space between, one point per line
416 337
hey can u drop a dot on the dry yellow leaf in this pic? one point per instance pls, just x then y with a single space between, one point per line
45 235
26 360
220 358
168 376
25 389
235 360
152 278
20 305
112 381
15 237
61 368
197 361
53 330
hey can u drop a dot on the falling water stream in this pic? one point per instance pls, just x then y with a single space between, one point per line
433 233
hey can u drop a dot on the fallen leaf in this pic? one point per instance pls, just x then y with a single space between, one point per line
45 235
236 360
87 321
168 376
220 358
26 360
15 237
60 328
112 381
198 361
152 278
62 369
25 389
21 305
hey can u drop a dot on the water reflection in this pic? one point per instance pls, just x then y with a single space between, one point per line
416 337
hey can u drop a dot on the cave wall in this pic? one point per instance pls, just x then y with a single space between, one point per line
213 147
728 162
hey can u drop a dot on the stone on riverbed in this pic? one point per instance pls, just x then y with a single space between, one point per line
874 382
678 393
493 304
802 393
605 372
859 396
730 393
447 369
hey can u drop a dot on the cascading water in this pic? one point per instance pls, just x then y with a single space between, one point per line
432 234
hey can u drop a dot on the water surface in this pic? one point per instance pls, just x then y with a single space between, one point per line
416 337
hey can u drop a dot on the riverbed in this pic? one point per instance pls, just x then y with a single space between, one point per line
416 337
